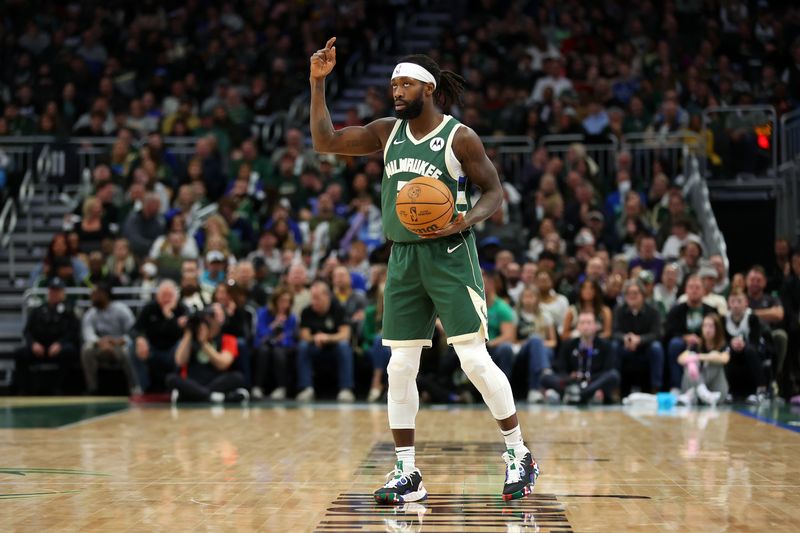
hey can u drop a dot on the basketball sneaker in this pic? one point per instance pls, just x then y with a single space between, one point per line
278 394
535 396
345 396
521 475
306 395
239 395
401 488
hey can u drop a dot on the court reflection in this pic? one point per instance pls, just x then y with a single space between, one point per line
448 512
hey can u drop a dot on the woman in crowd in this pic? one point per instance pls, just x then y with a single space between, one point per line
59 249
537 333
275 341
92 231
704 370
121 263
590 298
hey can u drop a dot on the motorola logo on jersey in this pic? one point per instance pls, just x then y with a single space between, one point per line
437 144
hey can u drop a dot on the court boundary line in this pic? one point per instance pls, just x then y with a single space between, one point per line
93 418
768 420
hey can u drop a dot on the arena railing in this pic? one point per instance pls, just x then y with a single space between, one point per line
8 223
668 148
603 154
790 136
512 151
13 206
695 190
787 200
133 297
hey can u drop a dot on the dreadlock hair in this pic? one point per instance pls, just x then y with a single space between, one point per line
449 85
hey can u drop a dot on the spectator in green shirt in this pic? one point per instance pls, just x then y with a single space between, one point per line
259 165
372 345
501 325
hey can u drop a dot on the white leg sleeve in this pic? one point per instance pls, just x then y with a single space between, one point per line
403 396
487 377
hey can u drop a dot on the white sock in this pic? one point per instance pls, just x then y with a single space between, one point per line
405 454
513 438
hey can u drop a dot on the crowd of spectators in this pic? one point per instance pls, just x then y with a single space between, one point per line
268 266
179 68
615 68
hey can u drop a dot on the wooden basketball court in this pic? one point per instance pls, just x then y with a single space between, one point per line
103 465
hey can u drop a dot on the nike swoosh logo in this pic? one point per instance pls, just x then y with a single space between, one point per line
396 142
454 248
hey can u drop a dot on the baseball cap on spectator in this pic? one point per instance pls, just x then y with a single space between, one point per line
56 283
707 271
215 256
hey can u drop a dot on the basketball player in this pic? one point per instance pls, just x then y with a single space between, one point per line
437 275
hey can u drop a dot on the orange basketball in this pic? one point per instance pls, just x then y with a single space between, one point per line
424 205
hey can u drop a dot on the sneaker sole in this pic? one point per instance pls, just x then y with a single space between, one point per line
527 490
397 499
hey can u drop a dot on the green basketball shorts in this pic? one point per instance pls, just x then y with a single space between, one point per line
426 279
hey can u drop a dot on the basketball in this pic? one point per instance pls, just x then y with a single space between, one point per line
424 205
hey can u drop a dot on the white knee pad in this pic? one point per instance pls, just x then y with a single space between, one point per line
403 397
487 377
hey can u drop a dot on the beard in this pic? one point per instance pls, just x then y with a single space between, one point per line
412 110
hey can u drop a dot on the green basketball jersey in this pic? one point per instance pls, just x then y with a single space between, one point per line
406 158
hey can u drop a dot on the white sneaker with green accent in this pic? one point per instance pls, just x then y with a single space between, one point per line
401 487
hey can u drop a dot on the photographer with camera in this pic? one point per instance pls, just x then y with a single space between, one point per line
585 366
204 357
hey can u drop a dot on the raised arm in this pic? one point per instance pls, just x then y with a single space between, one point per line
353 140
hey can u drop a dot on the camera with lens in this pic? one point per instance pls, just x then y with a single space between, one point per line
195 320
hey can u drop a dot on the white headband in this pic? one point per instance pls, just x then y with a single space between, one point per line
412 70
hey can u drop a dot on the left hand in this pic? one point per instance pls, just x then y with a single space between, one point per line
54 349
635 340
738 344
457 225
320 339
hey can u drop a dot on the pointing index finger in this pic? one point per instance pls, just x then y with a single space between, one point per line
330 42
